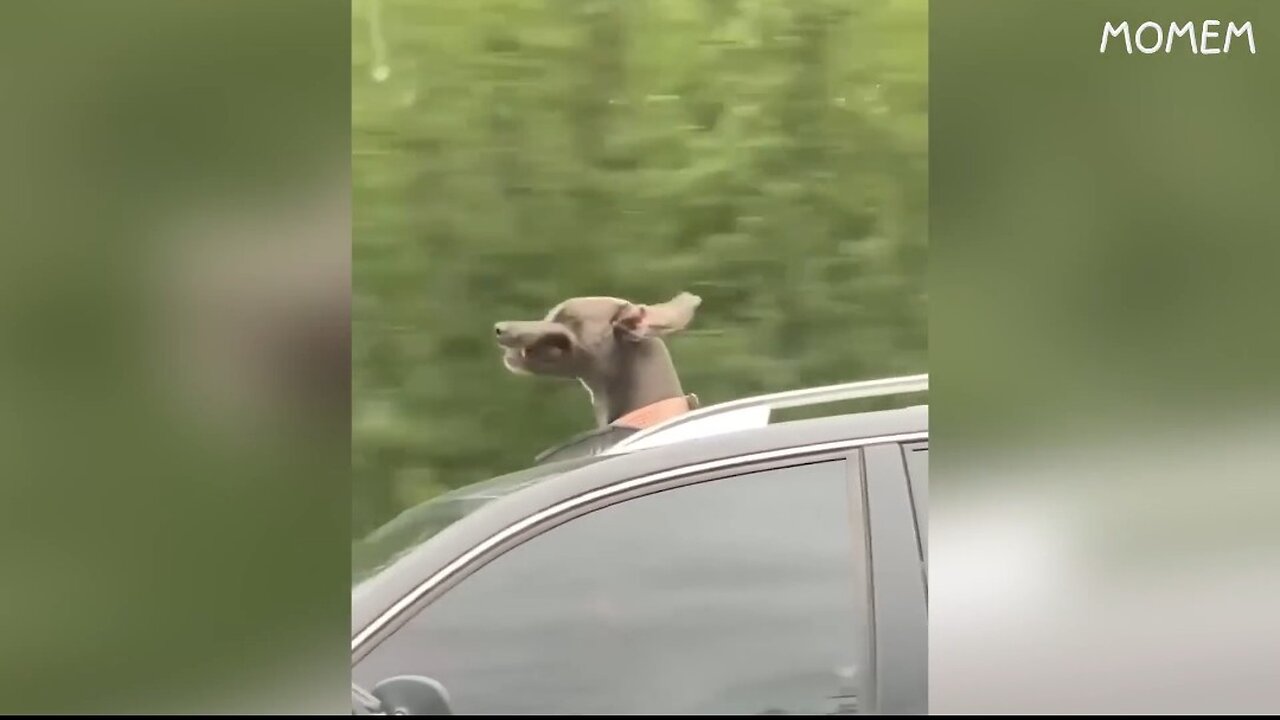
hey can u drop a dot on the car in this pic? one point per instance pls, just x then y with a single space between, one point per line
714 564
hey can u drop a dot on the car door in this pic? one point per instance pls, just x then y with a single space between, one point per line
742 591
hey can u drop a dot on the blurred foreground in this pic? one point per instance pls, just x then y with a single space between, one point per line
174 303
1103 262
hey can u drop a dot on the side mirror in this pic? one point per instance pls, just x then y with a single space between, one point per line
412 695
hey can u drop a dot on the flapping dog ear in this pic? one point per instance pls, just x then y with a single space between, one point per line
637 322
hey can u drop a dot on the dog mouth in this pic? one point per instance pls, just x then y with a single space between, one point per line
514 360
544 351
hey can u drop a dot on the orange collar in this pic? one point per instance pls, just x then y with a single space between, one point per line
655 413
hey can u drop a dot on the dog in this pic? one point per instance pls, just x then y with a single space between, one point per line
614 348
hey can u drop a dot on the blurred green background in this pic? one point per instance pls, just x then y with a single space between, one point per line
769 156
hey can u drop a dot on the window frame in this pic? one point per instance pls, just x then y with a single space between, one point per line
918 486
899 584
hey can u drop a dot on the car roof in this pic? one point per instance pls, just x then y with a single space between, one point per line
378 592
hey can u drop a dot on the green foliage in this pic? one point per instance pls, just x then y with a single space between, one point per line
769 156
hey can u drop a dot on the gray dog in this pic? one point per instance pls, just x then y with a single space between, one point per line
615 349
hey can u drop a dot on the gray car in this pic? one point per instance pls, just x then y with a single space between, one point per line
778 569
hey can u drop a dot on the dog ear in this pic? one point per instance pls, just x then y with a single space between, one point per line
637 322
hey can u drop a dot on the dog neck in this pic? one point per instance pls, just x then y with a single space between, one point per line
644 379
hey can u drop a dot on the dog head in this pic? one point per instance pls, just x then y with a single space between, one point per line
589 337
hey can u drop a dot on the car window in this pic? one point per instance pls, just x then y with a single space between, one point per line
917 459
745 594
382 547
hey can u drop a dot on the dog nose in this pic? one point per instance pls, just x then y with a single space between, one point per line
507 334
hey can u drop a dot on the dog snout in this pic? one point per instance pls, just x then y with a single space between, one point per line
506 334
524 333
